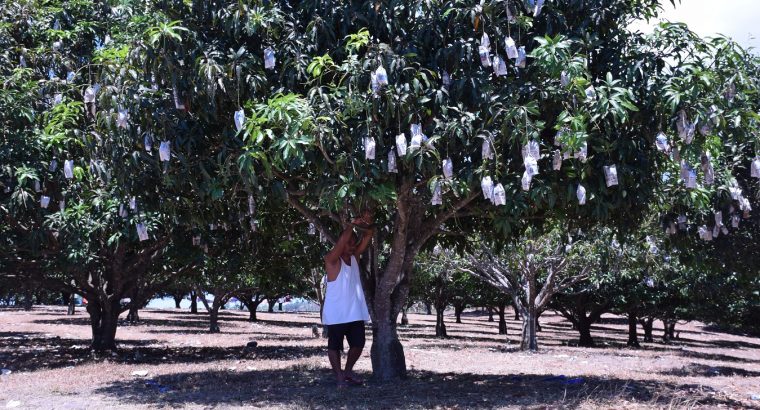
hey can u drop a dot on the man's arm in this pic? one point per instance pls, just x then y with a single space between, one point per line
364 244
332 258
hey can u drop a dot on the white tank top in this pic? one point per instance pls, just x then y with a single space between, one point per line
344 298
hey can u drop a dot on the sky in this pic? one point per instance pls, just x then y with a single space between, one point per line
738 19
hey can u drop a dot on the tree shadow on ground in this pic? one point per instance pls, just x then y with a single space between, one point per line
30 352
304 387
703 370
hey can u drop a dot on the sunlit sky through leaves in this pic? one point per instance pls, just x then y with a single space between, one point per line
738 19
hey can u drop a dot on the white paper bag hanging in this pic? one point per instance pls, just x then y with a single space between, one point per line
448 168
122 118
735 220
531 166
557 160
591 93
89 95
485 42
526 180
446 79
416 141
401 144
369 147
685 128
239 119
178 104
269 59
581 194
673 228
487 186
44 201
196 240
437 198
531 150
164 151
691 179
564 79
373 83
392 167
661 141
62 204
682 222
709 175
485 58
122 211
582 153
312 229
133 203
718 219
724 230
22 61
251 205
53 165
715 231
610 175
382 76
148 141
755 168
499 195
212 227
68 169
510 47
37 187
142 232
499 66
736 193
485 150
522 58
254 226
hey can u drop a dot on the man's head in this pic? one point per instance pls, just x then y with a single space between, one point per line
350 248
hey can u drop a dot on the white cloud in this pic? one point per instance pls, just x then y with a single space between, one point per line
737 19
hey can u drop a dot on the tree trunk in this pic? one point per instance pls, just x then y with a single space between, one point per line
213 316
502 318
458 309
665 330
28 300
104 320
177 301
584 328
404 319
193 302
271 303
517 311
647 324
490 314
133 316
388 361
538 324
672 329
633 336
279 306
440 326
428 309
529 338
72 304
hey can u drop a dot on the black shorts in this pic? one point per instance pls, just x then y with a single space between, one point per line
353 331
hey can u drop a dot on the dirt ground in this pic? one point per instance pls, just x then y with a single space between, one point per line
169 361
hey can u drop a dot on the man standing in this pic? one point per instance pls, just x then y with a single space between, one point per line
345 309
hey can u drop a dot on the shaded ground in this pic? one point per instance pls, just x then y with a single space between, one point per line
473 368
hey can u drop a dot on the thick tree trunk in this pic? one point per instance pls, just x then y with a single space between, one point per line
404 319
490 314
648 324
388 361
529 339
428 309
633 336
177 301
271 304
672 330
584 328
193 302
104 320
213 316
502 319
440 326
252 307
458 309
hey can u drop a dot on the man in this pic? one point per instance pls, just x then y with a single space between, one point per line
345 309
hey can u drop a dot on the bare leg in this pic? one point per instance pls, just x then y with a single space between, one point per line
334 356
353 355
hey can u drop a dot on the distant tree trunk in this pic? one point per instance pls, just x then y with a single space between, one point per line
584 328
72 304
404 319
458 309
279 307
517 311
213 316
672 329
538 324
28 299
133 316
177 300
666 330
529 339
440 326
502 318
647 325
193 302
271 305
490 314
633 336
428 309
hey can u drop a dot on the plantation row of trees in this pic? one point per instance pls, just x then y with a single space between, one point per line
147 143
